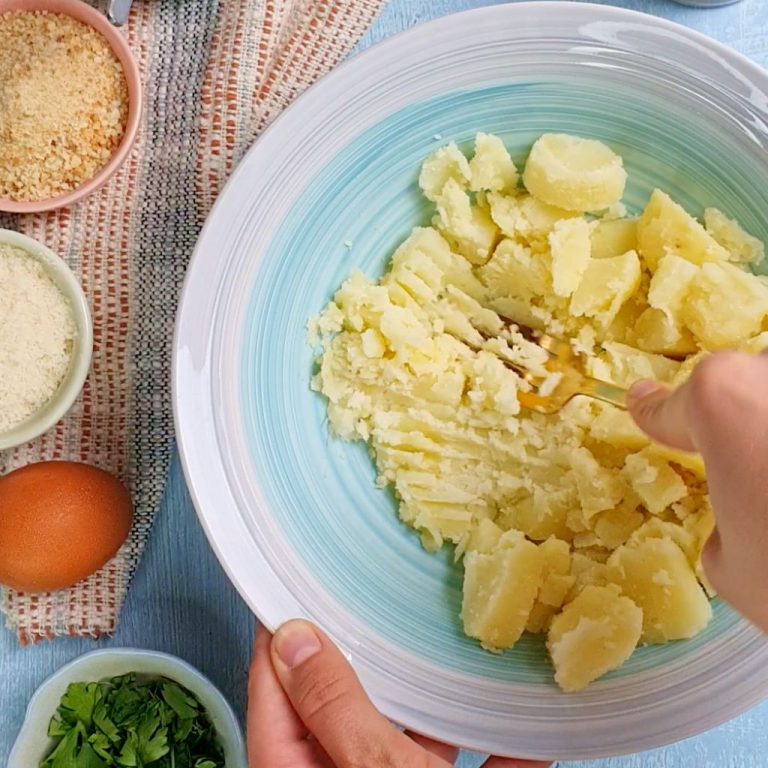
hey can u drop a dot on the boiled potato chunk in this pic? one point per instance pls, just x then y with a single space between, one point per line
657 576
539 218
471 228
613 237
741 246
655 332
448 163
654 481
725 305
656 528
617 428
540 618
666 228
574 173
556 583
615 526
425 257
595 633
756 344
599 487
485 538
555 589
570 246
506 213
514 271
556 580
525 217
588 572
557 557
689 461
492 169
605 286
541 515
628 364
670 285
500 589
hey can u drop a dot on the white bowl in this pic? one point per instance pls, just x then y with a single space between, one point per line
66 394
32 744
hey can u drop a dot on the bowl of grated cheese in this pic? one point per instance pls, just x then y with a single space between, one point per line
46 339
70 103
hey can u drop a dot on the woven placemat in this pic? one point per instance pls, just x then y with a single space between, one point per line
215 74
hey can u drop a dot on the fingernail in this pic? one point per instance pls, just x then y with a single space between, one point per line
641 389
295 642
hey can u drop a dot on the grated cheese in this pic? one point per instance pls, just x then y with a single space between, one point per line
63 104
37 331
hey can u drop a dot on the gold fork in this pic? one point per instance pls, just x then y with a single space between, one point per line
562 360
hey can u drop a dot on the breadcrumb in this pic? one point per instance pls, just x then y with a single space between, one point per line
63 104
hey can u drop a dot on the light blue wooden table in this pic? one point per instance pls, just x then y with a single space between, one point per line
182 603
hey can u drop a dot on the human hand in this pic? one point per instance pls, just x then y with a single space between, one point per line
722 412
307 709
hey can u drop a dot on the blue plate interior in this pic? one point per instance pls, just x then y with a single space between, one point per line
351 217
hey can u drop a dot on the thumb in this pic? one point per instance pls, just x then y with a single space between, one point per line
661 413
327 696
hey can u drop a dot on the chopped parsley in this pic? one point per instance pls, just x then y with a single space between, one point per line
129 722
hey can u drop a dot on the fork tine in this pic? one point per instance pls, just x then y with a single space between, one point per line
534 335
555 347
562 359
534 402
518 369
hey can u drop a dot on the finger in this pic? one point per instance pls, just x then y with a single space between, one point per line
328 697
272 725
513 762
443 751
661 413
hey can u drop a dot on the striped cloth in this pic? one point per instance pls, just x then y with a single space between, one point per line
216 73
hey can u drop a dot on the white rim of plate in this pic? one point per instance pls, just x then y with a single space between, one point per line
210 455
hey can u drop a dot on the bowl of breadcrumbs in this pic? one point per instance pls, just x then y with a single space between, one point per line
70 103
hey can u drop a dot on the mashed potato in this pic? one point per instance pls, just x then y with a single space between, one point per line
573 525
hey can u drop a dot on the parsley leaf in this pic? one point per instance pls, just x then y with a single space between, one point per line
74 751
184 706
132 722
153 739
78 702
129 755
102 721
101 745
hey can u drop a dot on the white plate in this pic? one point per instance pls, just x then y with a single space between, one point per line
292 513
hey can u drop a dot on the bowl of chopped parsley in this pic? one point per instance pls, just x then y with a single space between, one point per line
128 708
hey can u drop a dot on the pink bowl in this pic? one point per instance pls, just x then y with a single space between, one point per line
94 18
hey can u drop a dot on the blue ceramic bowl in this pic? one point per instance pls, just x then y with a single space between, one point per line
293 514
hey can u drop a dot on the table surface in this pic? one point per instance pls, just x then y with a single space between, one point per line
181 601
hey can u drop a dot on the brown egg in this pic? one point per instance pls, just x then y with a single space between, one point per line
59 522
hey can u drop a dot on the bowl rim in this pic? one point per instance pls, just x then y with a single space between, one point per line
56 407
234 733
87 14
211 488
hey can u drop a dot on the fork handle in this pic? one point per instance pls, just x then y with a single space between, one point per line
608 393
